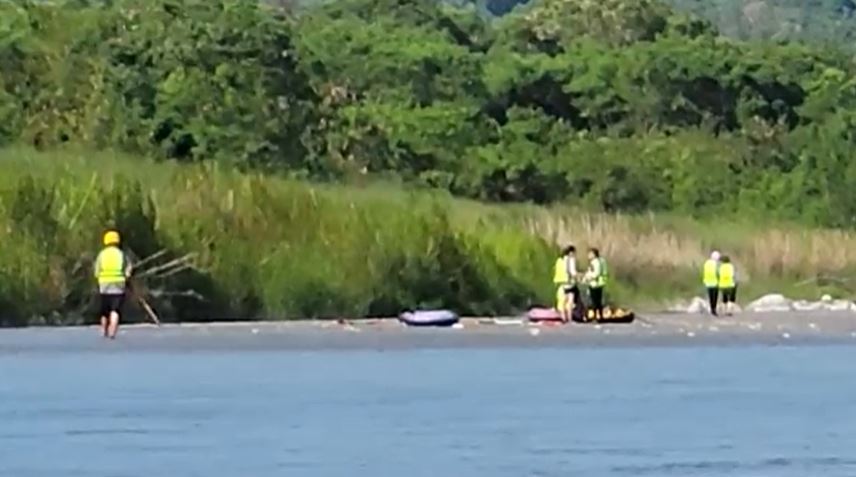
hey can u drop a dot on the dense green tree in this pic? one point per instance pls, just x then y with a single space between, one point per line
619 105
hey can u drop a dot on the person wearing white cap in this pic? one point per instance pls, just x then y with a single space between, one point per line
710 278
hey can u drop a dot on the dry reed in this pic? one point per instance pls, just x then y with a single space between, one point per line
636 244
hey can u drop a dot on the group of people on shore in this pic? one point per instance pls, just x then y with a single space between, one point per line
567 278
112 270
720 279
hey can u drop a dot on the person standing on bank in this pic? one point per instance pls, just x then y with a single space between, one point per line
565 278
112 270
710 277
596 277
727 284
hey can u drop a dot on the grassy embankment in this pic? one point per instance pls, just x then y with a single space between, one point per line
274 248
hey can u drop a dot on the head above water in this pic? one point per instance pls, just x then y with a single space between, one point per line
569 250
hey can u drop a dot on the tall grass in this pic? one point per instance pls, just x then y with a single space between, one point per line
659 257
267 247
279 249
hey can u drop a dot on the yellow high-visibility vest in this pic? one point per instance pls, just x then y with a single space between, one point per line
600 279
710 275
560 271
111 266
726 276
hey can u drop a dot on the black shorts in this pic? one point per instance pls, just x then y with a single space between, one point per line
729 295
571 289
111 303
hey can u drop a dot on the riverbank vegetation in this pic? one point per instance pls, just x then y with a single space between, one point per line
575 115
276 248
617 106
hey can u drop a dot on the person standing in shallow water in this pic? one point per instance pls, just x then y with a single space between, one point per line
565 278
596 278
112 269
710 278
728 284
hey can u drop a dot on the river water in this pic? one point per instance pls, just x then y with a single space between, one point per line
659 411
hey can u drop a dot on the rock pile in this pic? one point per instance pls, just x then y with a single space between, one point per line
771 303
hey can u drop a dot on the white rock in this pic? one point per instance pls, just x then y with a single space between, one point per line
803 305
684 306
771 303
840 305
679 307
698 305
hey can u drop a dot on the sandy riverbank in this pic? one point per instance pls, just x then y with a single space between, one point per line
650 330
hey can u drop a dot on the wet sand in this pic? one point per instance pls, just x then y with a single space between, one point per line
650 330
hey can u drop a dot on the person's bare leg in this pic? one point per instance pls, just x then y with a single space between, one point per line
114 324
104 328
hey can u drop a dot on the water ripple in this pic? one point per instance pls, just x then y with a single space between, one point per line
718 466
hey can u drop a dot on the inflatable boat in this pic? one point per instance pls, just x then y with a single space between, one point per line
544 315
581 315
610 315
429 318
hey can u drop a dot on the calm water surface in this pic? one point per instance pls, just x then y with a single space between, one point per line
752 411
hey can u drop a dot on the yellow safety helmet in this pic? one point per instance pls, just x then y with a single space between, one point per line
111 238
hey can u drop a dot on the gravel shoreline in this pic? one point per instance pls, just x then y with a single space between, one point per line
790 328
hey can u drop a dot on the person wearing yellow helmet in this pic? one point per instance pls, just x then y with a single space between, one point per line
112 269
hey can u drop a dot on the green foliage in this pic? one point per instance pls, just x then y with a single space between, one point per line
185 80
267 248
615 105
280 249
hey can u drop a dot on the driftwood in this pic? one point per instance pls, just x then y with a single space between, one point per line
170 268
157 293
142 263
147 269
136 289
